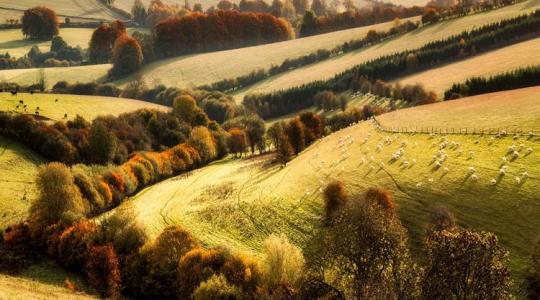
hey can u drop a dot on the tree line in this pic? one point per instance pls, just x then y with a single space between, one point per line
217 31
455 47
515 79
314 23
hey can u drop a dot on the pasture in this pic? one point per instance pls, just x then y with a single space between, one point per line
240 202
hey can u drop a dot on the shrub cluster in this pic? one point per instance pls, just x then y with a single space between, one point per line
455 47
60 55
519 78
108 138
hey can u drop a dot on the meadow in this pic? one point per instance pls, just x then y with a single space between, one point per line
239 202
19 168
56 106
412 40
491 63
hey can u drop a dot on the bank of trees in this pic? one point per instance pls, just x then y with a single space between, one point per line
317 23
218 31
519 78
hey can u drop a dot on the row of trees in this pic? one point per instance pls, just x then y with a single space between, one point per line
229 85
218 31
316 23
456 47
519 78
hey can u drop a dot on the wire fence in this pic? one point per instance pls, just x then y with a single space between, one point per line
499 131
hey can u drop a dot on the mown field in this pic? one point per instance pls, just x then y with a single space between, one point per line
13 41
487 64
206 68
86 106
240 202
412 40
78 10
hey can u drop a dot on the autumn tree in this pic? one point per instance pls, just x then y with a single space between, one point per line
101 143
463 264
285 149
296 135
202 140
127 56
309 24
274 133
103 39
313 125
103 270
237 141
40 23
369 244
138 12
335 197
255 130
185 108
58 195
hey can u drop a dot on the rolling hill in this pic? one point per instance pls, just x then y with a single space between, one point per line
86 106
239 202
198 69
487 64
78 10
412 40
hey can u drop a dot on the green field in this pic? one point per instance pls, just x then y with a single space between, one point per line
79 10
487 64
86 106
240 202
412 40
13 41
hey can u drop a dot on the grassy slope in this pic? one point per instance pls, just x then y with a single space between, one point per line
490 63
13 41
19 168
415 39
240 202
78 10
207 67
43 281
87 106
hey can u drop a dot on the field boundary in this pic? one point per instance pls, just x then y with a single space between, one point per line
496 131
